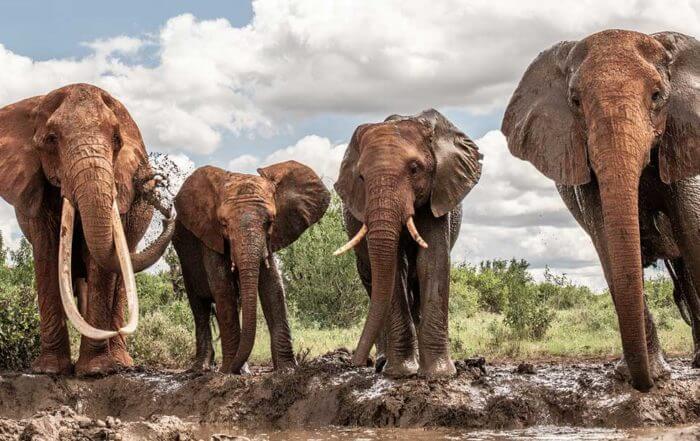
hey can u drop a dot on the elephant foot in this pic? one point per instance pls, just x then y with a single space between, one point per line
403 367
696 360
52 364
286 365
226 369
102 363
658 367
437 367
201 366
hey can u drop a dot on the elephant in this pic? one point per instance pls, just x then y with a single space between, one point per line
614 120
228 227
78 147
410 171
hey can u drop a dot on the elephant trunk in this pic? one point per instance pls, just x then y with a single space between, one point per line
248 266
384 219
619 152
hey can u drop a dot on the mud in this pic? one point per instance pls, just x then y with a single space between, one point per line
480 402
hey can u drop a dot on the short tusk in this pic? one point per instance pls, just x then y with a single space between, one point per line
132 301
414 233
352 243
65 278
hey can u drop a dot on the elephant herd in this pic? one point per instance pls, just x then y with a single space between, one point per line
613 119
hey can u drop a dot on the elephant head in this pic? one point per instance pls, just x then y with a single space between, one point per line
82 140
391 169
251 217
607 106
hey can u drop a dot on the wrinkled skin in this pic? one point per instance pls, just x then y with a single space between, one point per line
613 119
407 168
228 226
78 143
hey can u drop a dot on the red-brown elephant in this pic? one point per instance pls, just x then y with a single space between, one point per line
229 225
78 148
614 120
402 182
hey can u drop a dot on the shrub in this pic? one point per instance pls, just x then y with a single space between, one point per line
165 337
464 297
562 293
659 292
527 313
322 290
19 327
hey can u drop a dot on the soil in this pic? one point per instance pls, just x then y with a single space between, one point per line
143 403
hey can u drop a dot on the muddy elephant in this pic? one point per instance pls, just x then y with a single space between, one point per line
401 183
614 120
77 147
229 225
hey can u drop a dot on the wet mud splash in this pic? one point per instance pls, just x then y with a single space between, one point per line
480 402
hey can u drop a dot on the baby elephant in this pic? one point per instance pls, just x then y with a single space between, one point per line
228 226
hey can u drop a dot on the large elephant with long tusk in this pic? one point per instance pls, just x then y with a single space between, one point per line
74 166
402 182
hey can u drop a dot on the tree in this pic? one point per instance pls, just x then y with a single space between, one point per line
323 290
175 272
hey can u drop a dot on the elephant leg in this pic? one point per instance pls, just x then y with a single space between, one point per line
194 275
688 302
684 213
54 355
401 348
274 308
433 267
221 284
105 311
364 270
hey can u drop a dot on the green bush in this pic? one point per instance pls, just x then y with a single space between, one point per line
562 293
19 327
464 297
322 290
659 292
527 313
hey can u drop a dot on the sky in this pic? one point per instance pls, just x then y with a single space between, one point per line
240 85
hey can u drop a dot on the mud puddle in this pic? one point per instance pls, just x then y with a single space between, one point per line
562 400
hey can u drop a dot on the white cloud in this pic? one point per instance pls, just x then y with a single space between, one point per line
317 152
304 58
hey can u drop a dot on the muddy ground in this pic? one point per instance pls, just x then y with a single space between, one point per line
144 403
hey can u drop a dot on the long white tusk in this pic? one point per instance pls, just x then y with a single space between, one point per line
352 243
414 233
132 300
64 278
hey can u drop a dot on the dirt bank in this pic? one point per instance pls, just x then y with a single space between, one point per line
328 391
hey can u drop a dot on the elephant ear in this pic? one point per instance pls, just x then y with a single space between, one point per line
301 200
196 204
679 150
349 186
539 125
132 155
21 177
457 162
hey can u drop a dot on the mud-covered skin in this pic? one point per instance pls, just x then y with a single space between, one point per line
398 344
330 391
669 217
80 144
601 110
228 227
404 180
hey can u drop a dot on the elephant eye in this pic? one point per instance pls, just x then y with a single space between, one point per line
413 167
51 140
656 96
362 178
117 140
576 101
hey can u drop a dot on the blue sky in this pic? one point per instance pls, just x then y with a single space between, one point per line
240 85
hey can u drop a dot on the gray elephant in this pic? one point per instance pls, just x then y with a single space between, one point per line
402 182
614 120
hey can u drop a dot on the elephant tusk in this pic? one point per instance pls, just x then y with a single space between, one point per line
65 276
352 243
122 248
414 233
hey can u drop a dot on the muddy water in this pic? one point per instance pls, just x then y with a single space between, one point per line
546 433
328 398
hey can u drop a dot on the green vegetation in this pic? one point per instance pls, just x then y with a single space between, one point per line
497 310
